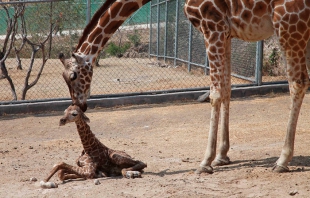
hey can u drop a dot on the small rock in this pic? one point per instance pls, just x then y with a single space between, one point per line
293 192
30 147
33 179
96 182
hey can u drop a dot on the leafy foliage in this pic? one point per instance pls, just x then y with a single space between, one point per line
113 50
135 38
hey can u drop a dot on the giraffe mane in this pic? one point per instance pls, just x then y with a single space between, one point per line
93 22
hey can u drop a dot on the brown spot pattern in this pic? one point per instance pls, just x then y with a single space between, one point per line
131 7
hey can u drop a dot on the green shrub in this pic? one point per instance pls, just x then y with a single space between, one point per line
113 50
134 38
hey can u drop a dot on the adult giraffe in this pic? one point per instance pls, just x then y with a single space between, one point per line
219 21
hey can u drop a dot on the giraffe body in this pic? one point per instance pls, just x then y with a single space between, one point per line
251 20
219 21
96 160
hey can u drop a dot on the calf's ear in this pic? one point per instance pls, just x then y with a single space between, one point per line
61 57
85 118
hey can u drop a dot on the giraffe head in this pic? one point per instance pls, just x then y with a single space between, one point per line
78 75
73 113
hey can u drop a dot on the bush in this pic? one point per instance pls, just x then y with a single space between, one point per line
135 38
113 50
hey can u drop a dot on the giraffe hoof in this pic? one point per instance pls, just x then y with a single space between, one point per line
280 169
204 169
48 184
221 162
96 182
132 174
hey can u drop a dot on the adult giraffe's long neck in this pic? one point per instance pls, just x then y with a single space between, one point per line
103 24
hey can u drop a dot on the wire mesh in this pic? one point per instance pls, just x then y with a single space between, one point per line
155 50
190 53
273 63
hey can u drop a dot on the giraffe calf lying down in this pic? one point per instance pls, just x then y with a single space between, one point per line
96 160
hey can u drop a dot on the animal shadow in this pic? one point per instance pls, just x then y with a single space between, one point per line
298 164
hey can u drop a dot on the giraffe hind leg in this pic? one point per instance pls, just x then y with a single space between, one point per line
130 168
298 78
134 171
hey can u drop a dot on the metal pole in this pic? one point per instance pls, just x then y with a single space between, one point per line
158 30
88 15
166 25
206 64
151 30
176 33
88 11
259 62
190 47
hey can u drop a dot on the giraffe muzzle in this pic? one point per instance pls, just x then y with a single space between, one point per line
62 121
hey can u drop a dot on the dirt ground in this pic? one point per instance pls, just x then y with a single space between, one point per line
171 139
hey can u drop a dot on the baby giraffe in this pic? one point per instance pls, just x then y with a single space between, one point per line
96 160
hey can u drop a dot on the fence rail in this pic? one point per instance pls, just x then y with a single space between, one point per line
156 50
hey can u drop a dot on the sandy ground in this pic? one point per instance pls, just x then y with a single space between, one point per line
171 139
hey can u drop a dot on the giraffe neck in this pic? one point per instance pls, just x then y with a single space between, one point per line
103 24
87 137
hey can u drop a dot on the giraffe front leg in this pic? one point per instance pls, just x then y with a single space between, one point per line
222 158
66 175
70 172
205 165
217 44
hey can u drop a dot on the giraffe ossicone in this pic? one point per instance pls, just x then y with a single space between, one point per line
219 21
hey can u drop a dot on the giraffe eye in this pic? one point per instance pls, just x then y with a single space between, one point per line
74 114
73 76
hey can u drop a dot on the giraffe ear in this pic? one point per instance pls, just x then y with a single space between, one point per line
78 58
85 118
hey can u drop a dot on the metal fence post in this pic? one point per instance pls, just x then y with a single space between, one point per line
151 30
88 15
259 62
176 33
166 21
88 11
190 47
206 64
158 29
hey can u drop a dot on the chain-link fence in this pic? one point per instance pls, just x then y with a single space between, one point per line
156 49
174 39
